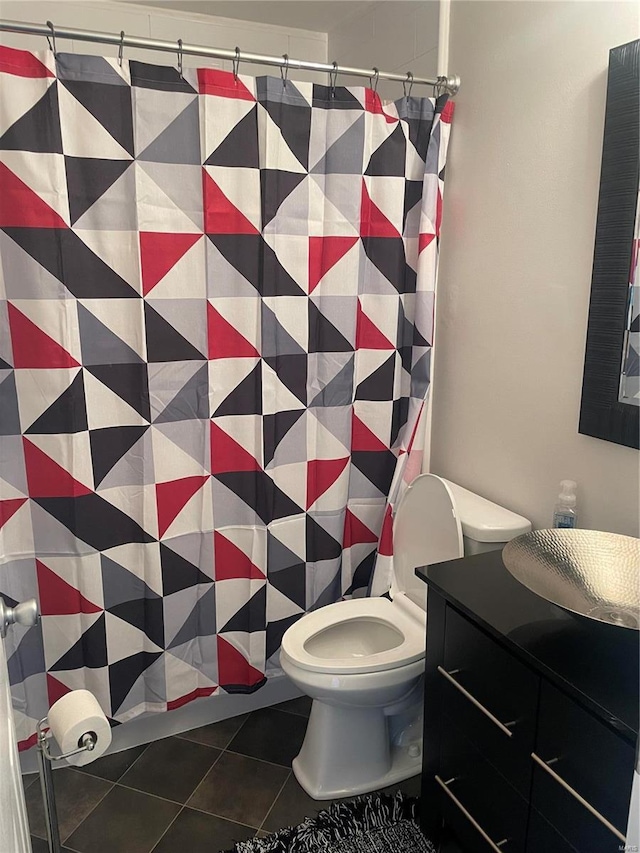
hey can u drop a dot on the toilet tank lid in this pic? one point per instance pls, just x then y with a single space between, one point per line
484 520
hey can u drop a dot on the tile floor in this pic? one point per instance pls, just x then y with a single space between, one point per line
200 791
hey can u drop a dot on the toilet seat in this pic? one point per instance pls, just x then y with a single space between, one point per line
369 635
331 639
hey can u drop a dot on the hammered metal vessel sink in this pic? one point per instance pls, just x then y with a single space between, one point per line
587 572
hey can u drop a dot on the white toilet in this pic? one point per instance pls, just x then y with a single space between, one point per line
362 660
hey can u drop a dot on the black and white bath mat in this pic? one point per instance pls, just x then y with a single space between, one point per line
375 823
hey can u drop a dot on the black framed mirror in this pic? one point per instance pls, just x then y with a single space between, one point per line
610 408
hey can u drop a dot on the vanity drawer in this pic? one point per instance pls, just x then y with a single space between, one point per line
582 775
486 814
543 838
492 697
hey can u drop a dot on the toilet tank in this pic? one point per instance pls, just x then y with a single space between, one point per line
486 526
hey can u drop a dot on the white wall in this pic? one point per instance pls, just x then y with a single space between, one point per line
169 25
392 36
517 249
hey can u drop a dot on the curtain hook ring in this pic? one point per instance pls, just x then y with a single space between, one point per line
333 78
442 85
121 48
408 82
52 39
236 64
284 70
375 78
180 58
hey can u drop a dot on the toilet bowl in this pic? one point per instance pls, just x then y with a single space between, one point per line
362 660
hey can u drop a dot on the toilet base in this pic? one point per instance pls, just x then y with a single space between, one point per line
347 751
403 766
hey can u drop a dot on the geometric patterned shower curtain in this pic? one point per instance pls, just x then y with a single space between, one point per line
215 334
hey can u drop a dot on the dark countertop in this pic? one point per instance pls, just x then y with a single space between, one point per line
598 664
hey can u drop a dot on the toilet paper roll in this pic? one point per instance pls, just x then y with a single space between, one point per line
72 716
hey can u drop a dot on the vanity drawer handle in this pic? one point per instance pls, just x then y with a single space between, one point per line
545 766
497 847
449 676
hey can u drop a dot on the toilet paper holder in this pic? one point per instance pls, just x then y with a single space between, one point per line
87 742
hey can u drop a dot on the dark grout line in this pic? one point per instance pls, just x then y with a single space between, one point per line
255 758
293 713
135 761
148 794
222 817
183 736
73 849
166 799
114 781
30 782
108 791
242 725
277 797
168 828
204 777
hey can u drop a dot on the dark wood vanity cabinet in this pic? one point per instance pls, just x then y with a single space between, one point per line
530 718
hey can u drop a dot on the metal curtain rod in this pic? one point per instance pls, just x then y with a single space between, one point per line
449 84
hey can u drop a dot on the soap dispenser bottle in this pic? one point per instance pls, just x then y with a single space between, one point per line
564 513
